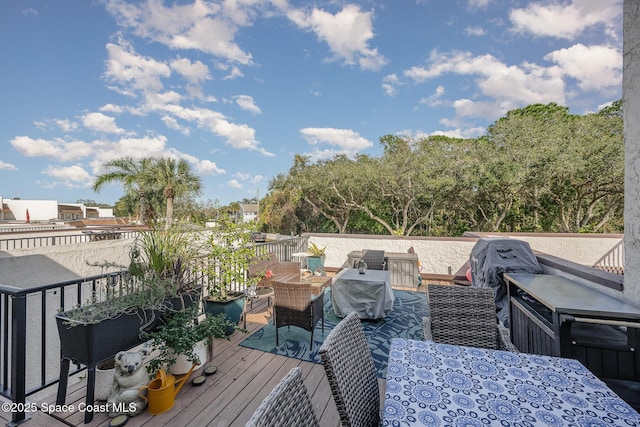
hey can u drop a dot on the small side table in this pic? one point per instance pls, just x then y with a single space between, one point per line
261 293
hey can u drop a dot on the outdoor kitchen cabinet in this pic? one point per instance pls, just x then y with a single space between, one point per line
556 316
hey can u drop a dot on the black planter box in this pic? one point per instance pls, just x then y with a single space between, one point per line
91 343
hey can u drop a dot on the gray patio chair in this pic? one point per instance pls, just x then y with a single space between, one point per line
288 404
462 315
373 258
352 376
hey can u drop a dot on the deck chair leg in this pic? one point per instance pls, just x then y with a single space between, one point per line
276 336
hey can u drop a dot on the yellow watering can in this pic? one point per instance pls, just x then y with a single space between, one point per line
162 391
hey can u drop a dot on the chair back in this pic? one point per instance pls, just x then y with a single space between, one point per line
288 404
351 373
292 295
374 259
462 315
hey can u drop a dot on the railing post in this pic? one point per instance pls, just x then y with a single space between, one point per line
18 357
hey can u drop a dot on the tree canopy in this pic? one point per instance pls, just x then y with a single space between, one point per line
538 168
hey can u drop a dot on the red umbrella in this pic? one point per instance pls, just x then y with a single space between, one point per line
28 218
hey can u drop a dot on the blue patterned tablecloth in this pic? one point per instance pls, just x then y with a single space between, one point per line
446 385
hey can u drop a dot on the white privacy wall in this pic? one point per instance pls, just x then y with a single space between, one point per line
631 107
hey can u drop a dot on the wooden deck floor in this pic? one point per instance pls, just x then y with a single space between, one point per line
227 398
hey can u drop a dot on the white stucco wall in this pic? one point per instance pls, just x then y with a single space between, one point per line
78 257
631 108
445 255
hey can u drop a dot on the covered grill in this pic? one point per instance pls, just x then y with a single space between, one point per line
491 257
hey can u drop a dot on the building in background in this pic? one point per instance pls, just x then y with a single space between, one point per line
48 210
249 212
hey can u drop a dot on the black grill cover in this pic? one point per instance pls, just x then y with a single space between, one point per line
491 257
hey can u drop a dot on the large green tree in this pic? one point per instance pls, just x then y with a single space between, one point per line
538 168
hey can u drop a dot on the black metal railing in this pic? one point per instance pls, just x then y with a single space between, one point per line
29 341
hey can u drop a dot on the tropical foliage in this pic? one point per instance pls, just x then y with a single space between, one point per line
538 168
150 184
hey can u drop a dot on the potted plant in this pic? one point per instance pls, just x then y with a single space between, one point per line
129 304
315 261
229 253
184 339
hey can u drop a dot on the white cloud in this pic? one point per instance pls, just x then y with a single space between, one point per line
434 100
479 3
201 26
595 67
347 33
247 103
234 183
131 72
7 166
71 176
66 125
233 74
57 148
390 84
194 72
239 136
462 133
566 20
137 148
527 83
111 108
348 141
172 123
474 31
101 123
207 167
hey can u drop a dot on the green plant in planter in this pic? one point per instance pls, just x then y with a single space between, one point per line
229 252
316 251
165 254
156 285
316 258
179 335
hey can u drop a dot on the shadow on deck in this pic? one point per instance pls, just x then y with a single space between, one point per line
228 398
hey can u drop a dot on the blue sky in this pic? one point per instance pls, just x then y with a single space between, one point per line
238 87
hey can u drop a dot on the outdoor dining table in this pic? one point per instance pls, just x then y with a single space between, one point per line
369 294
446 385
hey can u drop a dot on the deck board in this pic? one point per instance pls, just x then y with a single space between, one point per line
229 397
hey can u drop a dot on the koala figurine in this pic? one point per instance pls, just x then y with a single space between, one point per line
130 375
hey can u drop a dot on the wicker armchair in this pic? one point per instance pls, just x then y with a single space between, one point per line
373 258
352 376
288 404
466 316
295 305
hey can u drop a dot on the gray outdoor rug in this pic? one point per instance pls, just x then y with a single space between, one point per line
405 321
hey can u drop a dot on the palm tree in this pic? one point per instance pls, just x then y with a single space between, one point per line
175 178
132 175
